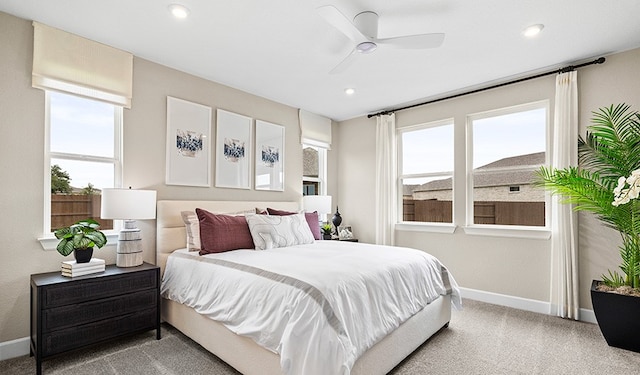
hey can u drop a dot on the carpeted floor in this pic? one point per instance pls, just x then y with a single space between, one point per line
481 339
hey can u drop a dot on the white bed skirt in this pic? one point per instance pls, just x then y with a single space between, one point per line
249 358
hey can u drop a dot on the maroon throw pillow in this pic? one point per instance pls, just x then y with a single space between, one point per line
312 220
219 233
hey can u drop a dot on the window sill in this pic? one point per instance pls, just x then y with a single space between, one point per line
446 228
538 233
50 242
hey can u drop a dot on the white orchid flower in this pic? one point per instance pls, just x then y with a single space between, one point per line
622 195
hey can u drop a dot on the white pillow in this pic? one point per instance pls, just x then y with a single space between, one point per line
269 231
192 225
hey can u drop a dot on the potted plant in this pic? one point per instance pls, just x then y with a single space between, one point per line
326 231
80 238
607 183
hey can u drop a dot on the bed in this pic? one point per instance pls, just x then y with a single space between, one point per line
242 351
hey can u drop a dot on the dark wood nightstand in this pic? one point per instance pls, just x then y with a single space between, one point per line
348 240
70 313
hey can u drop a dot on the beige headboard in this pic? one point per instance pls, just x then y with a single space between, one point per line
170 229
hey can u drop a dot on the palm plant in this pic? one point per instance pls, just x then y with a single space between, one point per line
609 152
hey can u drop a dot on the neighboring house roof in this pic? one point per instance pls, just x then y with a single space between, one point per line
537 158
491 178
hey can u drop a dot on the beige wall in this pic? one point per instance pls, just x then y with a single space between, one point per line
22 155
514 267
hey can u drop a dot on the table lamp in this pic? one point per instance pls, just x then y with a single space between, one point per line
319 203
128 205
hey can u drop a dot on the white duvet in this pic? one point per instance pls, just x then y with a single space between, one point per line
320 306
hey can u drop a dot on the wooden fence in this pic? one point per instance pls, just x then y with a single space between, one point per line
500 213
66 209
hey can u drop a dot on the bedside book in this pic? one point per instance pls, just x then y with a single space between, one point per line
84 271
73 265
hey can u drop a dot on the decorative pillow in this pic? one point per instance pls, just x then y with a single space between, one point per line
312 220
219 233
269 231
192 226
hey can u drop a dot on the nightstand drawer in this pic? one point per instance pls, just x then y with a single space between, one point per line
98 288
75 337
87 312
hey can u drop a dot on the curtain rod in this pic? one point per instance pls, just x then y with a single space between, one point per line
558 71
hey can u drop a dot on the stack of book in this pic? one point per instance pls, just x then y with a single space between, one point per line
71 268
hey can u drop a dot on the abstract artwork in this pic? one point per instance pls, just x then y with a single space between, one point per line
269 156
233 148
188 143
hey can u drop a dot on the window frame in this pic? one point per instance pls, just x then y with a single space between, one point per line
429 226
322 168
47 239
521 231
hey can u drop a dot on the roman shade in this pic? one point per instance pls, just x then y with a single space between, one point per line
315 130
69 63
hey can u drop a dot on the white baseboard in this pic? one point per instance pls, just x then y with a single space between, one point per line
519 303
14 348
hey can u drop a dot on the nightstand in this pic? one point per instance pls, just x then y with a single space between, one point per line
347 240
70 313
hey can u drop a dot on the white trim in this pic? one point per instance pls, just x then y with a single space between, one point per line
414 226
514 231
50 242
540 307
14 348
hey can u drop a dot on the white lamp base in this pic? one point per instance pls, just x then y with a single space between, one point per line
129 252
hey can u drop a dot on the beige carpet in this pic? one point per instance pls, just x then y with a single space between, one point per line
481 339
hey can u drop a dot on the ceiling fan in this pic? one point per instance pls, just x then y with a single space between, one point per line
364 32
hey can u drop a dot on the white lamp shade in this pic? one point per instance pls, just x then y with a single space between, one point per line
128 204
318 203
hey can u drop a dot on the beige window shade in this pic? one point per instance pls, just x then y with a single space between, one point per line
315 130
70 63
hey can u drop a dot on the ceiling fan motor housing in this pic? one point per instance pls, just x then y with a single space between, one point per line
367 23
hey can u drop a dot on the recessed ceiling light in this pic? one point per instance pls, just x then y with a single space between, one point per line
179 11
532 30
349 91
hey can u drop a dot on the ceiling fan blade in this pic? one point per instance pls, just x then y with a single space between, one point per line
338 20
421 41
345 63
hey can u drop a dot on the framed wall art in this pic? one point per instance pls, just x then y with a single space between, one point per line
269 156
188 159
233 150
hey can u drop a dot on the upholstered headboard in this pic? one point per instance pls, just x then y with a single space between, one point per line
170 229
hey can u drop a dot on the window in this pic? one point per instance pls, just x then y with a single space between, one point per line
507 146
83 157
314 170
426 172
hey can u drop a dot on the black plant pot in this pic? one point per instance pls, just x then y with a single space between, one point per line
83 256
618 317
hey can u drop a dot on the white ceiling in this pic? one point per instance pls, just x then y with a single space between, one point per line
283 50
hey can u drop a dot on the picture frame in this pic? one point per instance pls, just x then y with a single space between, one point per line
345 232
233 150
188 149
269 156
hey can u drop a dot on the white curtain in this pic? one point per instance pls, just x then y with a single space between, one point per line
564 221
386 186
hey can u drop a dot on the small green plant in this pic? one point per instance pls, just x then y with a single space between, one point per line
607 183
82 235
326 228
